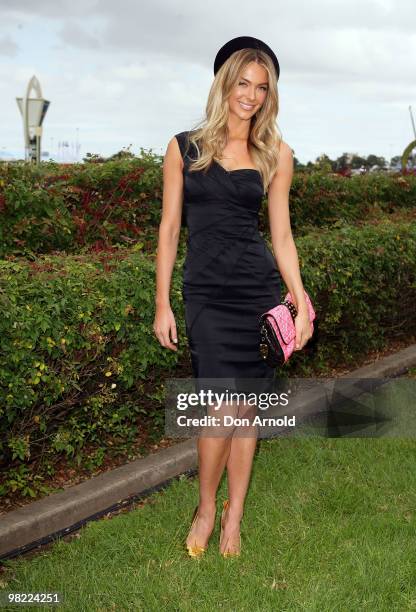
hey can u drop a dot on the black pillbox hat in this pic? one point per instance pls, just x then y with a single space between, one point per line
243 42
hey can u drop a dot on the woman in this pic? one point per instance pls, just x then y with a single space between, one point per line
221 171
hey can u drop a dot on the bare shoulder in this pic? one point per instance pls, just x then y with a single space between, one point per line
285 152
173 153
173 145
284 172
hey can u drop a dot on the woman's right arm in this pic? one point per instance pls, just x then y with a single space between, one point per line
164 324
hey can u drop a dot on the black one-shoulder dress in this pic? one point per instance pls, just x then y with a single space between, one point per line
230 276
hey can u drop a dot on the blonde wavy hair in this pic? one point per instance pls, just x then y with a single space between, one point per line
209 136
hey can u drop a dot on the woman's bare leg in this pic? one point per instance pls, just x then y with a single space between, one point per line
239 466
213 454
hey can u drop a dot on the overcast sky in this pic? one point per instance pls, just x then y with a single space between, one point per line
137 72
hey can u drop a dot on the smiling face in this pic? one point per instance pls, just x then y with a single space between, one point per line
250 91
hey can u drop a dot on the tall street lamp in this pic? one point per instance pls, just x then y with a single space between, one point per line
33 111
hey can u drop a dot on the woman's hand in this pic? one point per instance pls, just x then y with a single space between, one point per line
164 327
303 330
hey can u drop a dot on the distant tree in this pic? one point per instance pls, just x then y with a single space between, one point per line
323 163
125 153
375 160
93 158
296 163
358 162
342 163
396 160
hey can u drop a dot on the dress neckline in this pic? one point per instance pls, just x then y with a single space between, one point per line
237 169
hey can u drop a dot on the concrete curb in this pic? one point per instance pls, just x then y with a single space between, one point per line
60 511
23 529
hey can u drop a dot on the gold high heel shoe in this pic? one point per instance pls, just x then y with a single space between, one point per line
195 551
227 553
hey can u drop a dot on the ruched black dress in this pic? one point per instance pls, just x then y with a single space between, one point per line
230 276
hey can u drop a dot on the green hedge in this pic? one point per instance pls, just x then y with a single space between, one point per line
79 207
320 200
82 207
79 359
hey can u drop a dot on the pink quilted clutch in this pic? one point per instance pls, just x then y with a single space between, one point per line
278 333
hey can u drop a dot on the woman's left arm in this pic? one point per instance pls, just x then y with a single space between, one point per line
283 243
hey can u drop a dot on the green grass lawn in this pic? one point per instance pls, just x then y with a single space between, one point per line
329 525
